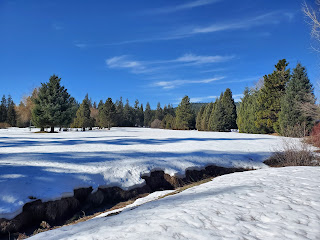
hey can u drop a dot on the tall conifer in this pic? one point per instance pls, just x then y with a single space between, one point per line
269 98
185 118
299 91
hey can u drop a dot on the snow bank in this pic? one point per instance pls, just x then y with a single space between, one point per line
280 203
50 166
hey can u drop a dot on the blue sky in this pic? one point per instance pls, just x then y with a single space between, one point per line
156 51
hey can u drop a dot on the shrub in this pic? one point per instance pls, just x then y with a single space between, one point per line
315 135
293 153
4 125
156 124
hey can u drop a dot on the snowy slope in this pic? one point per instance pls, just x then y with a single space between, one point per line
282 203
50 166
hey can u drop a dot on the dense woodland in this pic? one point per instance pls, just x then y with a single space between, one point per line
282 102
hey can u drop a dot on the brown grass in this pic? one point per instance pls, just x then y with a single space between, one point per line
294 153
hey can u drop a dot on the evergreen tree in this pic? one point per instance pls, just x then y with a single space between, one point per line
107 114
100 104
229 110
269 98
141 115
119 113
185 118
138 114
247 112
200 117
206 116
147 115
128 115
299 92
11 113
83 119
3 109
216 120
159 112
53 106
168 122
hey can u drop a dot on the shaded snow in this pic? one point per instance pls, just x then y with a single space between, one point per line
281 203
50 166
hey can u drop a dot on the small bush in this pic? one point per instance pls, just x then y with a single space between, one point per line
297 131
294 153
315 135
4 125
156 124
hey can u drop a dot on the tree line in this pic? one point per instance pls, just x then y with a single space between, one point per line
281 102
284 103
51 106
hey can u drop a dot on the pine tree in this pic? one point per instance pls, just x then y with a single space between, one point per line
128 115
83 119
119 113
299 91
159 112
247 112
141 115
107 114
168 121
53 106
206 117
147 115
138 114
3 109
216 120
11 112
185 118
200 117
230 111
269 98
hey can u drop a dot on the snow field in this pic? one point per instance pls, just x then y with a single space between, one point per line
273 203
51 166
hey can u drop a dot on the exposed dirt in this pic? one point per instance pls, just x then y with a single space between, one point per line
84 202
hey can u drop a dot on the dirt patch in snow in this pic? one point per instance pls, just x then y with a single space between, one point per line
86 202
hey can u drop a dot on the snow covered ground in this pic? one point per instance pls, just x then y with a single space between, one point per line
50 166
273 203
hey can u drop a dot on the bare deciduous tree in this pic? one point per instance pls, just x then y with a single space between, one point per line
313 16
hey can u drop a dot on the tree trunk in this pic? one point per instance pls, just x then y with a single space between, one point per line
42 129
83 129
52 130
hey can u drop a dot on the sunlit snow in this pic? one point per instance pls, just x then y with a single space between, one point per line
273 203
49 166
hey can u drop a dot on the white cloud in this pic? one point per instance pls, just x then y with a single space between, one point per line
236 97
124 62
196 59
181 7
203 99
268 18
56 26
80 45
274 17
134 66
176 83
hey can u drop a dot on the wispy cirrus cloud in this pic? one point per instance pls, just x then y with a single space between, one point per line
134 66
181 7
57 26
271 18
176 83
196 59
124 62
